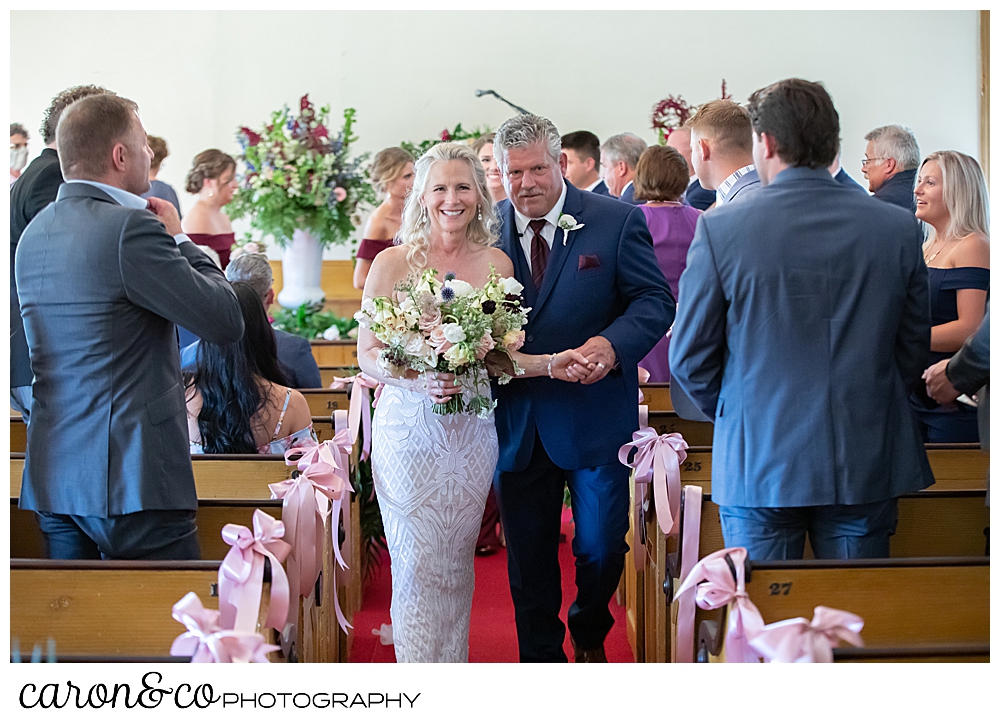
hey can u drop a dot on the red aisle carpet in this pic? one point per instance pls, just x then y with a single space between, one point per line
492 636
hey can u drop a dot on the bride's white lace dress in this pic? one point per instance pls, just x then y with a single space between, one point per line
432 475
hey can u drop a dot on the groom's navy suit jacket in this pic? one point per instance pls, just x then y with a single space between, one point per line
604 281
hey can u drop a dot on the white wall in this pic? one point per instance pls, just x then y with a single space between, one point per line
197 76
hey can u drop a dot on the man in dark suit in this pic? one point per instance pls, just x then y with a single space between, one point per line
619 156
294 352
807 317
695 195
583 161
108 470
892 157
34 190
722 151
598 290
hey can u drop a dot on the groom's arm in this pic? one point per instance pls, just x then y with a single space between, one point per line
650 305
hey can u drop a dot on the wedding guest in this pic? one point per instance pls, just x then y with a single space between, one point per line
890 165
952 199
18 150
99 316
391 174
213 179
483 148
722 150
841 176
694 195
38 187
619 156
294 352
661 177
238 399
583 162
159 189
804 318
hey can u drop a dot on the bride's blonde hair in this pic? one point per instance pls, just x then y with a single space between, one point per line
415 229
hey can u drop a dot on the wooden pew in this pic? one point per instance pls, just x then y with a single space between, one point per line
323 402
328 373
335 353
908 603
978 653
229 488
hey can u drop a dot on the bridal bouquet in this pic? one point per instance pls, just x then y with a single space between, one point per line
450 326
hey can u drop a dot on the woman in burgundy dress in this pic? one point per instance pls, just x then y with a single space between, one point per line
213 179
392 175
661 177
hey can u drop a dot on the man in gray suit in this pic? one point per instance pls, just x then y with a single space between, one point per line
102 282
804 316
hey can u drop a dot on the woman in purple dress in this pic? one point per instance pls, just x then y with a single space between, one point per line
661 178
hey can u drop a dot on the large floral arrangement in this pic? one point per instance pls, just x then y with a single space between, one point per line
673 112
296 176
457 134
311 322
450 326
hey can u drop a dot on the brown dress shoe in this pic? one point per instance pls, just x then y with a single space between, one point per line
590 655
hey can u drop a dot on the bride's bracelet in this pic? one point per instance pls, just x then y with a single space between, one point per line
552 358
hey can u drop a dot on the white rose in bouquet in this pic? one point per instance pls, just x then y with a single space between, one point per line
511 285
418 347
454 333
461 288
457 356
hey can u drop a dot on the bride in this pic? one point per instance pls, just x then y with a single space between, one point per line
433 472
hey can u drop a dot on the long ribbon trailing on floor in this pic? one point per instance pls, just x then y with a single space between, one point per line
241 575
206 642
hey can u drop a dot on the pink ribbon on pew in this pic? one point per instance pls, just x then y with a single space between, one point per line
712 585
241 576
658 458
322 487
803 641
690 547
359 411
206 642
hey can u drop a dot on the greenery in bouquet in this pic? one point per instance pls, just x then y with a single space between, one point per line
296 175
450 326
311 322
457 134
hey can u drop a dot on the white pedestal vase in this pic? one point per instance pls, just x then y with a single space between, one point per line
301 270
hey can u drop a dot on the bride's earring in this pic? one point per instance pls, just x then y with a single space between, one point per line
479 210
423 214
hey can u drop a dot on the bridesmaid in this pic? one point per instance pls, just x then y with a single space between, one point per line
483 148
213 179
392 175
662 177
952 198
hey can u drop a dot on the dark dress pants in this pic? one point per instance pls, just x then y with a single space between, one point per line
145 535
836 532
531 509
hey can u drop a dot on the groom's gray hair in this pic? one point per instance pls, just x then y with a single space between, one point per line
523 130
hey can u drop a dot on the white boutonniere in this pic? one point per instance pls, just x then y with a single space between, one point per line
567 223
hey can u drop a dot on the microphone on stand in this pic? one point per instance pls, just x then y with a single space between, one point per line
519 109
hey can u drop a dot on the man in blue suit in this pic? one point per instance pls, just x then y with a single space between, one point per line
619 156
721 151
807 317
583 161
294 352
591 279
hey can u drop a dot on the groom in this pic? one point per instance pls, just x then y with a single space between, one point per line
595 287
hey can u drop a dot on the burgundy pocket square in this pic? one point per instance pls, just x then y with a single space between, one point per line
588 262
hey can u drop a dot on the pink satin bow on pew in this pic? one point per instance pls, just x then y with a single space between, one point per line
802 641
322 485
241 576
712 585
359 412
206 642
658 459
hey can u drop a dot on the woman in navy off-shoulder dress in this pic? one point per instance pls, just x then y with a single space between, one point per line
952 198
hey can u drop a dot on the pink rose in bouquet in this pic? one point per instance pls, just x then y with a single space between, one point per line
437 339
514 340
429 319
485 345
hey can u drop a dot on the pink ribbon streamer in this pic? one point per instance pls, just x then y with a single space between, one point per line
802 641
359 412
690 548
712 585
659 457
206 642
323 486
241 576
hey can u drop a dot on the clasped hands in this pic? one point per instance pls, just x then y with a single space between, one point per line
939 387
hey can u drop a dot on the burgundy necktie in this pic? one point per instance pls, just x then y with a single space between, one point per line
539 253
